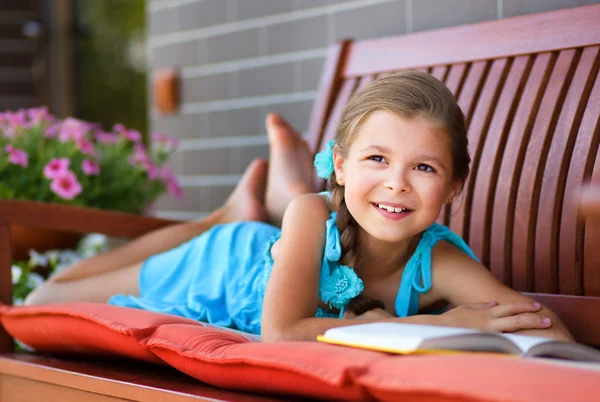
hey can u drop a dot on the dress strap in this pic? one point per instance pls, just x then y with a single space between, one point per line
416 277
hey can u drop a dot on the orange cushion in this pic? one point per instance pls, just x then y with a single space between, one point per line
85 328
234 360
227 359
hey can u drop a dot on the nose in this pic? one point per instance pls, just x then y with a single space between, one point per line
398 181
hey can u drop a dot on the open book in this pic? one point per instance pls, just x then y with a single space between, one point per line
411 338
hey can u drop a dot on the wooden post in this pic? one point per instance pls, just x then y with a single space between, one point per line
6 342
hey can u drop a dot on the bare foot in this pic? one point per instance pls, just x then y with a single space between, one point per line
247 201
290 167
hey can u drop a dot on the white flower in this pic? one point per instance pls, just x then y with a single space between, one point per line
16 272
36 259
34 280
93 244
52 256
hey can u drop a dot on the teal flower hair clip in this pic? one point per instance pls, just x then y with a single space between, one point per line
324 161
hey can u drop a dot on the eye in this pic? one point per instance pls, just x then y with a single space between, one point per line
422 167
376 158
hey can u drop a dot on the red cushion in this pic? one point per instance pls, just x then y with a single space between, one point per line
227 359
85 328
234 360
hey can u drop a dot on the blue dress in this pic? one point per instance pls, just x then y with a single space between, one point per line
220 277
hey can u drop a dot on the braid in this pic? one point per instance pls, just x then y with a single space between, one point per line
348 236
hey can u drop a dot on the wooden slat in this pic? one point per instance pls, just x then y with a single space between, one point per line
6 342
363 82
553 178
440 72
580 314
528 191
468 99
477 136
342 97
80 220
553 185
510 172
571 245
591 251
491 156
331 79
488 40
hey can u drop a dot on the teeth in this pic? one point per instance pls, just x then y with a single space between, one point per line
392 209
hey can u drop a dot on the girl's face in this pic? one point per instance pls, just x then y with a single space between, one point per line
396 176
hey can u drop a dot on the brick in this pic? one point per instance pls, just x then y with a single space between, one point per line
297 35
178 54
232 46
432 14
253 9
304 4
181 126
216 197
160 22
309 73
237 122
298 113
206 88
194 199
266 80
207 161
513 8
201 14
371 22
241 157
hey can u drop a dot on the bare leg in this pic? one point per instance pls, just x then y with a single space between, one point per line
117 271
290 167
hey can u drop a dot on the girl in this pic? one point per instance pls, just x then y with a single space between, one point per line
367 249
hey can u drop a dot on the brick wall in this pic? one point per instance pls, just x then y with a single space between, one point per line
240 59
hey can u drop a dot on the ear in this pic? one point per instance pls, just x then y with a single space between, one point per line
338 165
454 190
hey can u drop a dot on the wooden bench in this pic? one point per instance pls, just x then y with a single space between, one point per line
530 91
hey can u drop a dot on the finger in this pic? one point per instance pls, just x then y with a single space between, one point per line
514 308
482 306
521 321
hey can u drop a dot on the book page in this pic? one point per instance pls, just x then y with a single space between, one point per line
390 336
526 342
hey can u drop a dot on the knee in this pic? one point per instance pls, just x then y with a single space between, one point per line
41 295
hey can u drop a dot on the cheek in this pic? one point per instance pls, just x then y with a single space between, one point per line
433 193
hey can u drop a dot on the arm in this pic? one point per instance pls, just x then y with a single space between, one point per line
461 280
292 293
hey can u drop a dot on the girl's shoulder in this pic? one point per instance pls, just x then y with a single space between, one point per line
313 206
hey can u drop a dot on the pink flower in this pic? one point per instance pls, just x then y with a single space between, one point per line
51 131
106 138
56 167
90 167
163 139
133 135
17 156
37 115
66 185
85 146
172 185
119 128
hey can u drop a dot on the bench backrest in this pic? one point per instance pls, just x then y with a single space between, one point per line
530 91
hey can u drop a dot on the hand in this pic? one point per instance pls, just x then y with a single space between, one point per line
374 314
492 317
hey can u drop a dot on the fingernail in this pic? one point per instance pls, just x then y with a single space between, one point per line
536 305
546 320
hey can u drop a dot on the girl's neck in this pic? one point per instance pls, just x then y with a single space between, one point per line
380 260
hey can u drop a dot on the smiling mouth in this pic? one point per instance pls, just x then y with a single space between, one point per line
391 209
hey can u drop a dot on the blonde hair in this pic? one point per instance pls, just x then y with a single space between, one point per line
409 94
